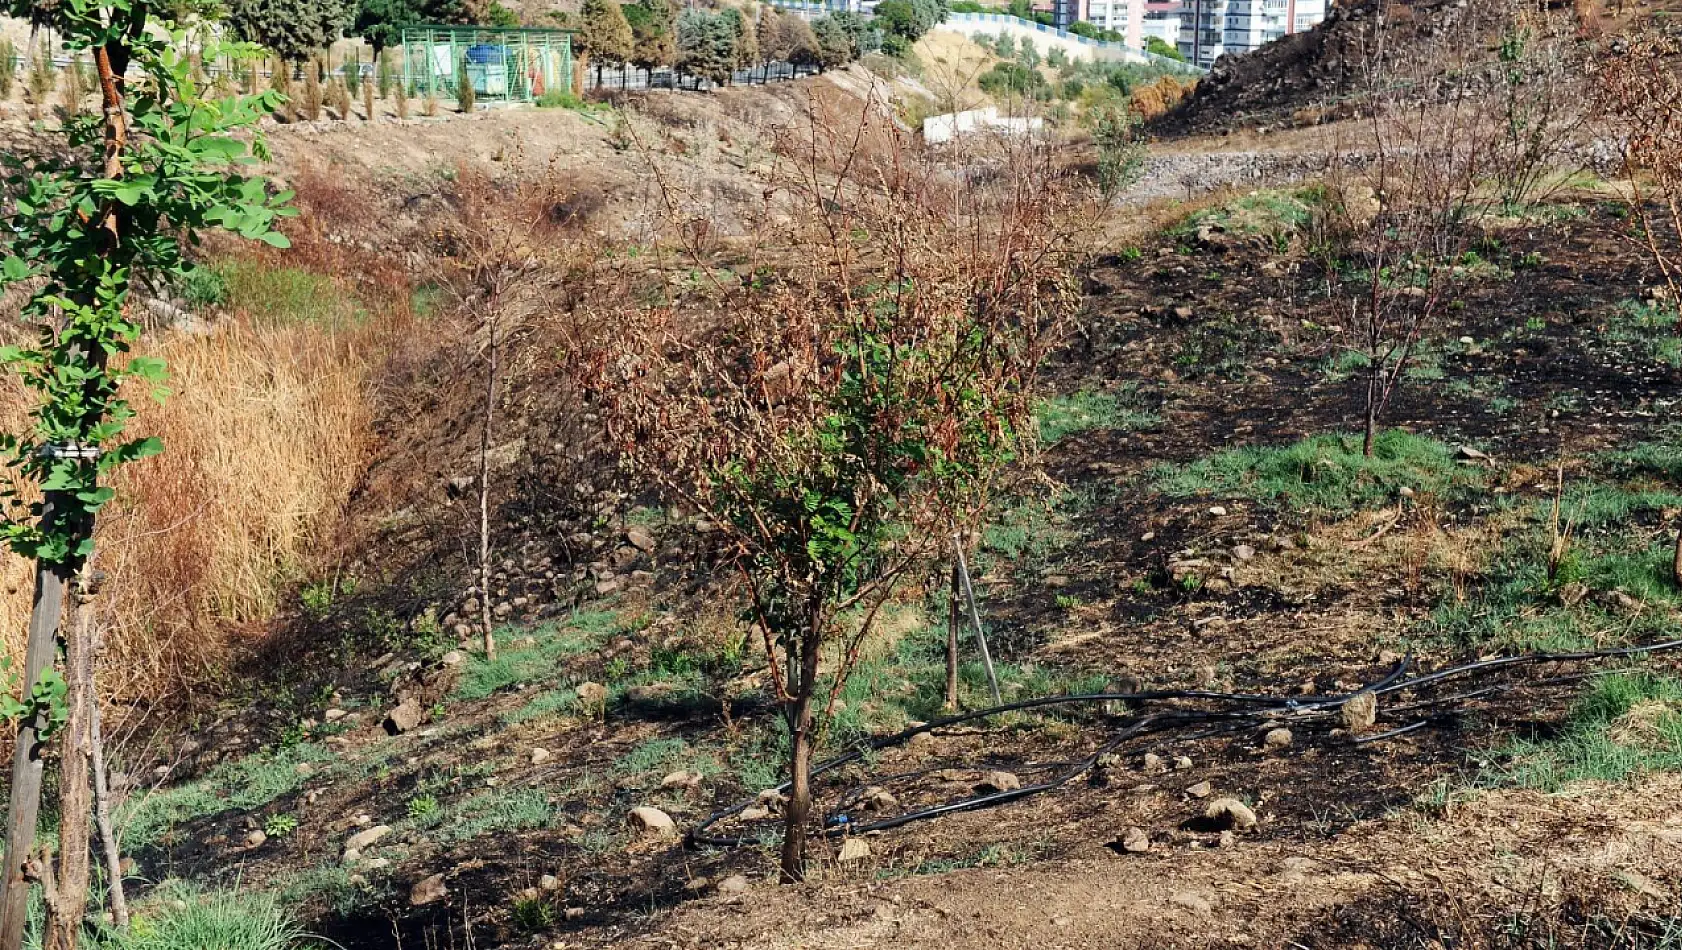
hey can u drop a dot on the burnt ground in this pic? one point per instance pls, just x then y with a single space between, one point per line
1225 340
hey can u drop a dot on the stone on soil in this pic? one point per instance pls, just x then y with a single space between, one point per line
651 821
428 890
1231 813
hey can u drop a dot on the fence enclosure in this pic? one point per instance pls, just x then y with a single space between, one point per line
504 65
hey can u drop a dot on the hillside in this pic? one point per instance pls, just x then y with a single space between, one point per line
1258 684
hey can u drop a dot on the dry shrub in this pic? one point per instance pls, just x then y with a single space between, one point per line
1160 97
1642 102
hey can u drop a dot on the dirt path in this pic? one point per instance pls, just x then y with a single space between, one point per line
1406 880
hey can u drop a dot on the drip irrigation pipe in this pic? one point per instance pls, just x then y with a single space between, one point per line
1297 707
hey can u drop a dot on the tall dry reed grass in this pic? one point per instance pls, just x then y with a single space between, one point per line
267 429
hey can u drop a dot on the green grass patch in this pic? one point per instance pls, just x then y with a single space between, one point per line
548 704
239 785
548 646
1424 365
1626 725
1648 328
489 812
1121 410
653 759
1326 472
1275 214
178 917
283 295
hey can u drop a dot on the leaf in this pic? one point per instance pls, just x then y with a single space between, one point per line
14 268
275 239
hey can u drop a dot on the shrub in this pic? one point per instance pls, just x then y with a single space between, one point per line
8 67
1014 79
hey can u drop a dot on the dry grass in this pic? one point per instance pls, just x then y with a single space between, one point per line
267 429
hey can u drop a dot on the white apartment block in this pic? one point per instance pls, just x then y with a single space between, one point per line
1239 26
1136 19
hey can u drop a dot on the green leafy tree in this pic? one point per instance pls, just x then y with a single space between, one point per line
381 22
291 29
1161 47
133 184
653 34
604 35
867 38
706 45
501 17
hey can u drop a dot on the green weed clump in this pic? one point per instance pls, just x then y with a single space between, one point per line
279 296
1326 472
562 99
1275 215
1626 725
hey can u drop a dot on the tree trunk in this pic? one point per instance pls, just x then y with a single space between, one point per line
1370 428
797 813
952 643
485 617
1676 560
102 816
25 807
65 912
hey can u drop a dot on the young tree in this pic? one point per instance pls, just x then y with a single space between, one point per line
129 190
769 36
603 35
291 29
1396 226
837 417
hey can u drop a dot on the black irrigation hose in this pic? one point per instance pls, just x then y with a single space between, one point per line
1295 706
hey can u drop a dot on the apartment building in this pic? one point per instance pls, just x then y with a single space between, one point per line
1211 28
1136 19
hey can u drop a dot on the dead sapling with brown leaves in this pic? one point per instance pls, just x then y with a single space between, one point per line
836 398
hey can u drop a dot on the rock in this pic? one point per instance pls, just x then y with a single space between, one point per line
640 539
428 890
1360 711
734 884
592 696
997 781
1405 492
1243 552
651 821
403 717
771 799
351 856
1183 312
255 838
541 755
696 885
853 849
1182 762
376 864
1229 840
548 882
1231 813
1200 790
333 715
1277 739
1619 602
686 779
878 799
754 813
1191 900
1466 453
1217 511
573 913
367 836
1135 841
1154 763
454 658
